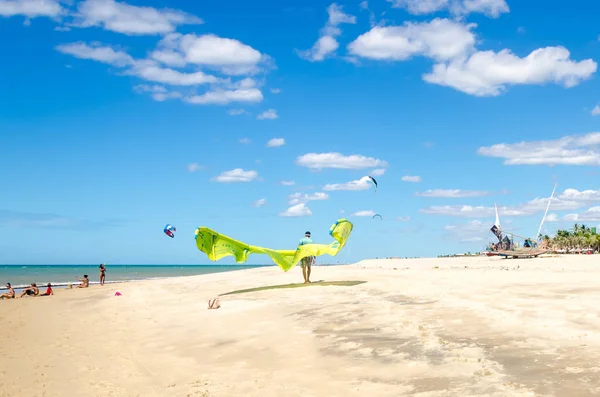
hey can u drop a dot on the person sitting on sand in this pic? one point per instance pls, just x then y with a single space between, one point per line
85 282
49 291
10 294
307 260
31 291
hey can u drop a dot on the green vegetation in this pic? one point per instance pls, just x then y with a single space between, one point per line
298 285
579 237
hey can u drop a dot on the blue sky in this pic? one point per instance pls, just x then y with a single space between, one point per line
252 118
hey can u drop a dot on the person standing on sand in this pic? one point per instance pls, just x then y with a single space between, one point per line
10 294
102 274
307 260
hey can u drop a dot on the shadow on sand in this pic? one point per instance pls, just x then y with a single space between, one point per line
298 285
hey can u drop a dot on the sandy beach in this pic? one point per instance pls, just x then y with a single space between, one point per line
423 327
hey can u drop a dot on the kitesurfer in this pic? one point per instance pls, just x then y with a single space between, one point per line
307 260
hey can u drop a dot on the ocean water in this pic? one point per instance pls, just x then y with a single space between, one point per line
61 275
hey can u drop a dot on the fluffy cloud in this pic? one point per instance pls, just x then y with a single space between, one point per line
130 20
551 218
591 215
97 52
236 175
378 172
364 213
159 93
596 110
31 8
228 56
488 73
297 210
460 65
299 198
288 183
363 183
236 112
403 219
414 179
260 202
528 208
586 196
452 193
270 114
327 42
439 39
338 160
471 231
276 142
569 150
224 97
490 8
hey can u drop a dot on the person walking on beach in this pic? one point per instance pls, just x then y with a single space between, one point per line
102 274
10 294
307 260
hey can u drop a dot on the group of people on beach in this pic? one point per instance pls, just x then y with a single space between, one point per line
33 289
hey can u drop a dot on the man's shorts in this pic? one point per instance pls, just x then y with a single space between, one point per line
306 261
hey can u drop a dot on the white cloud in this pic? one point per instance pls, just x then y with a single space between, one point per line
193 167
551 218
591 215
297 210
298 198
409 178
452 193
488 73
568 150
363 183
490 8
596 110
228 56
439 39
338 160
275 90
586 196
224 97
236 175
96 52
403 219
270 114
31 8
288 183
236 112
276 142
528 208
378 172
260 202
158 92
327 42
471 231
130 20
150 71
244 141
364 213
461 66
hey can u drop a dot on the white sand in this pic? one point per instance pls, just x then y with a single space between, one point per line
471 327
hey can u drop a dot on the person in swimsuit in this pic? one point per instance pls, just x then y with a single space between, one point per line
10 294
49 291
31 291
102 274
306 261
85 282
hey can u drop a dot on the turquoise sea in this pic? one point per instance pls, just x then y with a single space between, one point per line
61 275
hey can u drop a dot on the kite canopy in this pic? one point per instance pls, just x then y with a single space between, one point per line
170 230
217 246
377 215
374 182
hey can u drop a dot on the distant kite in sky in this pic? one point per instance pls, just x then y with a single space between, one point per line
170 230
380 217
374 182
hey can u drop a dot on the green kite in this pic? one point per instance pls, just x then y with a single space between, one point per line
217 246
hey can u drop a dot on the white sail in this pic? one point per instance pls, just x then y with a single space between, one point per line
497 223
546 213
